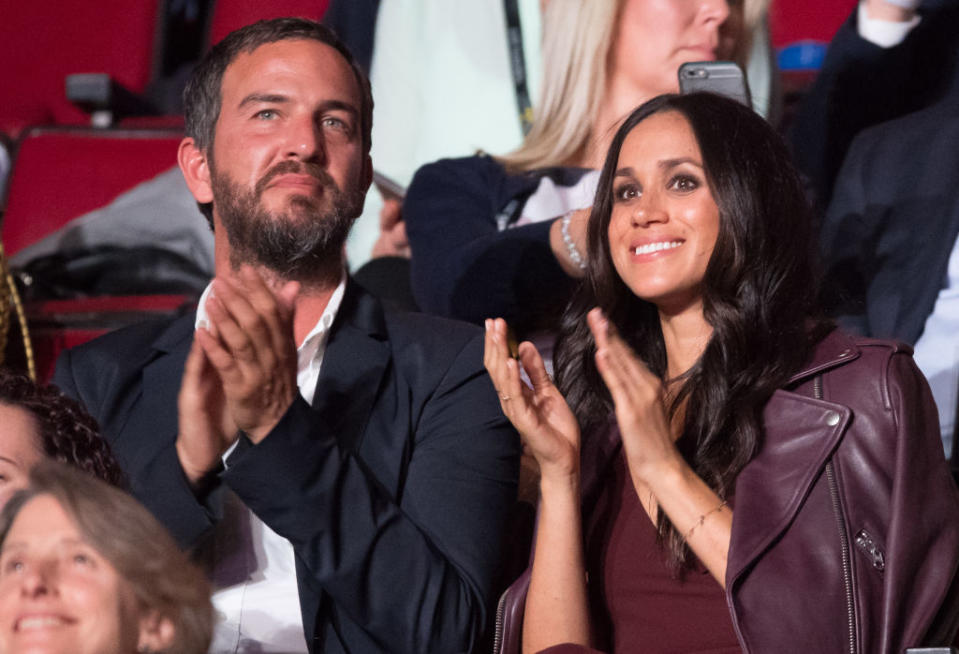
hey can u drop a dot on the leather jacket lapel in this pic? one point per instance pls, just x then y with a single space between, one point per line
801 434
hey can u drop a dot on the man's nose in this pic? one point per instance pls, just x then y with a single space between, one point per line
305 140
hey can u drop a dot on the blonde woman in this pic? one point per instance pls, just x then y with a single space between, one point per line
505 236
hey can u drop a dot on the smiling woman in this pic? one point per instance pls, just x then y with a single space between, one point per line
734 444
84 569
505 236
664 221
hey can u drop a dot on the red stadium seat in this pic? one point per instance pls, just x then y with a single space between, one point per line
60 173
229 15
791 21
41 43
801 30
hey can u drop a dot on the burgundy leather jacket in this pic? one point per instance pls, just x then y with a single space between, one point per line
845 534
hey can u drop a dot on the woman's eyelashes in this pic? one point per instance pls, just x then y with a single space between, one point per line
681 183
626 191
684 183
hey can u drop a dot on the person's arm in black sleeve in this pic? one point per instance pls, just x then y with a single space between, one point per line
862 84
463 265
416 572
844 243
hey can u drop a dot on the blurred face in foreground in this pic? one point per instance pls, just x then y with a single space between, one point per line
58 595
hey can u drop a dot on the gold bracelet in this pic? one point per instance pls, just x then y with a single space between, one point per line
702 519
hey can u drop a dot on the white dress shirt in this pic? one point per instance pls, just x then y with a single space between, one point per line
937 350
254 573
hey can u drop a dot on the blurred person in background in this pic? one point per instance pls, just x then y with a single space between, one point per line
891 58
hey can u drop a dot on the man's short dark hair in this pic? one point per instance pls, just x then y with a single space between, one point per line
202 96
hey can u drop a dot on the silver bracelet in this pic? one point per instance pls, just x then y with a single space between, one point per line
574 254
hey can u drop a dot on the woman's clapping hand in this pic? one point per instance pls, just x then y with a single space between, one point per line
639 400
540 414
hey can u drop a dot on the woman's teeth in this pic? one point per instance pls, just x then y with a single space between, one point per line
656 247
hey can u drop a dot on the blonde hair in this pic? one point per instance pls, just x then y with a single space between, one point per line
577 35
130 538
576 38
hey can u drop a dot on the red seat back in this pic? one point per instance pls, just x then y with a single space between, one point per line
62 173
791 21
229 15
42 42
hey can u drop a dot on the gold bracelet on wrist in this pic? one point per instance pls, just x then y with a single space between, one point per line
702 519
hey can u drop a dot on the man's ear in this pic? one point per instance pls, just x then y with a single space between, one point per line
196 170
157 632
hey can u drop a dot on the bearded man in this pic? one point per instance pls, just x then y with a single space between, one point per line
347 468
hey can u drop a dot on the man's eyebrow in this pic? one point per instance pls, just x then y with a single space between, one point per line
625 171
339 105
272 98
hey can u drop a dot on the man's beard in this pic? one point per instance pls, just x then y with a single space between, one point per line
304 243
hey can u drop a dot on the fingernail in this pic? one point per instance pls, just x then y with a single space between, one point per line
488 323
202 323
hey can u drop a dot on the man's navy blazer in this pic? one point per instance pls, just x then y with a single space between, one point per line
393 488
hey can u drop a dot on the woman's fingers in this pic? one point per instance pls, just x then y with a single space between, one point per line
608 357
501 367
533 364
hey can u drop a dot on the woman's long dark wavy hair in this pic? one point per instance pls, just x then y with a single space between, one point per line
67 432
759 292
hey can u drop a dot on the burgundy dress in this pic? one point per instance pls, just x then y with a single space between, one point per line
638 605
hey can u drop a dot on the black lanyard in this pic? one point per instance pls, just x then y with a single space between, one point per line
517 63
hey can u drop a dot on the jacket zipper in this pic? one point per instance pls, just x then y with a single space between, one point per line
843 537
498 628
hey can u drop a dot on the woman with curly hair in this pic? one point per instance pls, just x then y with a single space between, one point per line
39 422
748 478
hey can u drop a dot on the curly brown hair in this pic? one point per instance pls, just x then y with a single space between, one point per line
67 432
